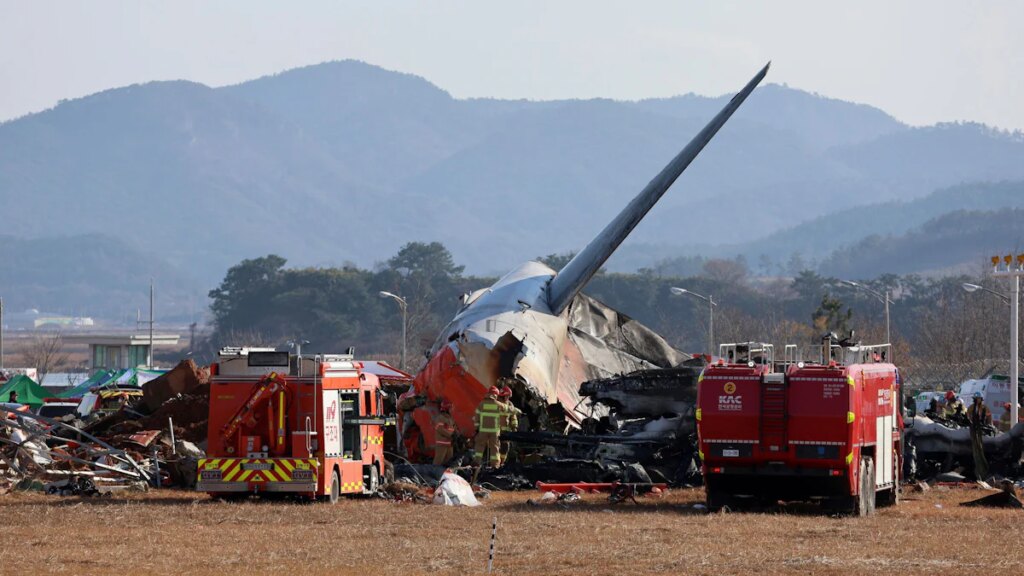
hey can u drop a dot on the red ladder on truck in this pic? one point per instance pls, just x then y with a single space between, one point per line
773 412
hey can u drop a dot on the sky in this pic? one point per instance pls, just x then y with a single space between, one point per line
921 61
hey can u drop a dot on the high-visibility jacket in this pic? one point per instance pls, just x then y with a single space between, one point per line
979 415
488 415
954 407
445 428
510 420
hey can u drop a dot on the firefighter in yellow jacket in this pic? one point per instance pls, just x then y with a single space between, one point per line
488 429
509 421
444 430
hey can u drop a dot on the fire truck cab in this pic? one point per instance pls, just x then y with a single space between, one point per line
310 426
828 431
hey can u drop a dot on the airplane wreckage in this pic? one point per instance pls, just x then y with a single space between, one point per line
536 328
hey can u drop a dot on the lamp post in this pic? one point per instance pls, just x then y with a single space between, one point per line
1012 270
974 288
711 309
404 307
297 345
884 299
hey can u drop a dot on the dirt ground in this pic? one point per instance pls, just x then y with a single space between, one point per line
172 532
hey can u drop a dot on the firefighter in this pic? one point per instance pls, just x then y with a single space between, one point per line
509 420
444 430
979 416
488 429
1004 418
954 407
934 411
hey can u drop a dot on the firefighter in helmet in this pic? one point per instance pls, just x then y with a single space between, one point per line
1004 418
488 429
444 430
955 409
979 417
509 420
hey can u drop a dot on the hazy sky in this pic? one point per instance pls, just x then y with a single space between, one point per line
923 62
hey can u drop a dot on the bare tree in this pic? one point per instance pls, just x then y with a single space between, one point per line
45 352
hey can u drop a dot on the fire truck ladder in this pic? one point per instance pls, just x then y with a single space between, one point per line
773 412
306 420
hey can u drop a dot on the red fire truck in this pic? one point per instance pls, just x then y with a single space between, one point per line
828 431
309 426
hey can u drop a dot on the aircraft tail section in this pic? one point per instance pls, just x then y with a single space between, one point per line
571 279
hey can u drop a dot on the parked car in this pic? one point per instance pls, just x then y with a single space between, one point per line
58 407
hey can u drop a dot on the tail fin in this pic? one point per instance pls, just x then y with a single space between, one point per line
571 279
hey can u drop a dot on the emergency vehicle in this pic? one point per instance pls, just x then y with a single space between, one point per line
310 426
829 431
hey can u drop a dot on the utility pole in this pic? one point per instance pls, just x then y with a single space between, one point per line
404 306
1013 271
884 299
149 357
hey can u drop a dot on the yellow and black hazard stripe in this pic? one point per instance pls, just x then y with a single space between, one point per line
375 439
259 469
352 486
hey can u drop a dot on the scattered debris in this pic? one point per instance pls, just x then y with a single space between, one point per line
934 449
454 490
119 445
182 379
1009 496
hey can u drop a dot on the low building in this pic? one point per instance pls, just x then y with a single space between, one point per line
120 351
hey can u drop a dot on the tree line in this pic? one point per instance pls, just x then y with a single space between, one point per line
941 333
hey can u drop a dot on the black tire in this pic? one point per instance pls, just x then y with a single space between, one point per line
335 494
715 500
372 483
864 503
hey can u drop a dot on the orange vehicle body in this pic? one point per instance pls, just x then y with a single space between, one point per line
800 432
307 426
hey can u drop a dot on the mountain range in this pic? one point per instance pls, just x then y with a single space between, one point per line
346 162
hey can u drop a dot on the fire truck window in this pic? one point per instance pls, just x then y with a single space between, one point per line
350 443
367 403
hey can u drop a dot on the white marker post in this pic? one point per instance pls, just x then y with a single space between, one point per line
494 536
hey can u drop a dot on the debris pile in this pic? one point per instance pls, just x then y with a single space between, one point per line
123 440
932 448
641 430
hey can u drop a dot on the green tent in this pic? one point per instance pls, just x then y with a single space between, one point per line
28 391
96 379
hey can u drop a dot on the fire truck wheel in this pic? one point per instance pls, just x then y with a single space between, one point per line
374 483
864 503
335 488
716 500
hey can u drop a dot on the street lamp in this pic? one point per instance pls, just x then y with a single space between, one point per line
974 288
1013 271
401 304
884 299
711 308
297 344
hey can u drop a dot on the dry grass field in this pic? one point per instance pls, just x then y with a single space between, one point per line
171 532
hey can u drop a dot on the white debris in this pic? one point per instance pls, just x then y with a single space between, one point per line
454 491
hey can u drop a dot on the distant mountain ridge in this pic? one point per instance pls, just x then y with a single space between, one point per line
960 241
344 161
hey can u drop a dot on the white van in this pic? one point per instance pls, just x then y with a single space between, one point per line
995 391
